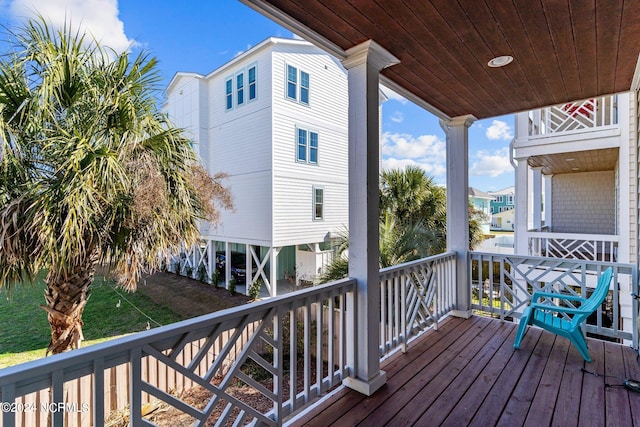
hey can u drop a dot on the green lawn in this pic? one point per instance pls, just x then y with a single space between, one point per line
25 334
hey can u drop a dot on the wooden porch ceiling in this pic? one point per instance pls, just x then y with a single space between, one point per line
563 50
467 373
575 162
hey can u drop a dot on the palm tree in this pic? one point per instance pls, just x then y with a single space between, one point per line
399 243
411 196
413 222
91 172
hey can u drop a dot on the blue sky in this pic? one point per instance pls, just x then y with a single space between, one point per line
200 35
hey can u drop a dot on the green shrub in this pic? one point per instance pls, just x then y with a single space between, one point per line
254 289
232 285
202 273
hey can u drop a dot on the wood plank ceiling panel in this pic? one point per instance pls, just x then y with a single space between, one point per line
463 52
627 42
579 161
564 50
606 14
489 45
562 36
584 32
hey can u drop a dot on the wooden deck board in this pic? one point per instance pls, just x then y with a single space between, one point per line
617 400
445 403
567 413
632 371
467 373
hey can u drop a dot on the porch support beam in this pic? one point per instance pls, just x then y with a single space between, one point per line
548 193
522 208
536 202
457 132
363 63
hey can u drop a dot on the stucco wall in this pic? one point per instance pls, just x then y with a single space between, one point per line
584 203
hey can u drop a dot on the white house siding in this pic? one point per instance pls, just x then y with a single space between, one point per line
255 144
184 105
584 203
239 144
293 182
633 176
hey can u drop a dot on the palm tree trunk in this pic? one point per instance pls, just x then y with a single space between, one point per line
66 296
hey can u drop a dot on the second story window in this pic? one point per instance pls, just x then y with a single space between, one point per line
313 147
298 84
240 88
252 83
307 146
229 93
292 82
318 203
304 87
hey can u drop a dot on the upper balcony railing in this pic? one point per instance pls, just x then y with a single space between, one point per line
589 247
574 116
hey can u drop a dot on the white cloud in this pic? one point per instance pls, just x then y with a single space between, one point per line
97 17
430 169
406 146
397 117
499 130
491 164
425 151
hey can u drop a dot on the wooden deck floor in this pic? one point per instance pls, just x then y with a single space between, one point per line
467 373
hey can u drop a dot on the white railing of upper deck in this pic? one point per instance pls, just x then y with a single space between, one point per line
574 116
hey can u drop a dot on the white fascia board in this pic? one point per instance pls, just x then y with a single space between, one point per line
270 41
178 75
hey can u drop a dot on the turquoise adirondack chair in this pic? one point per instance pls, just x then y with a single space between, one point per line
546 315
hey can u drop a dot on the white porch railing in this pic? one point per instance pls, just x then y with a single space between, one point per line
588 247
414 296
574 116
502 285
266 337
296 341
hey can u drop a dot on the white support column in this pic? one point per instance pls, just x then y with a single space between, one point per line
522 208
536 203
273 271
211 258
248 273
364 63
548 206
227 264
457 132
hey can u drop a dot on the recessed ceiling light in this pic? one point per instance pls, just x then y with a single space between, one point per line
500 61
569 160
575 169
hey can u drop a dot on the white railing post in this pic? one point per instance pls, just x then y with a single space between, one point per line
457 132
135 386
363 64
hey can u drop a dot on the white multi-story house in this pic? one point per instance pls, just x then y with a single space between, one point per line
275 120
576 186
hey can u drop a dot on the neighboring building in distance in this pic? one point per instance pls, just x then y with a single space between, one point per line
275 120
503 200
482 202
504 221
